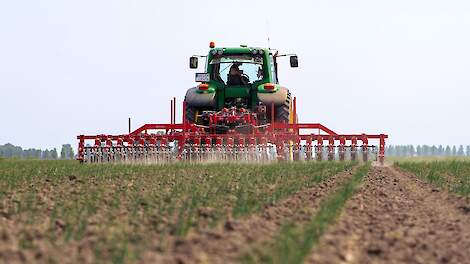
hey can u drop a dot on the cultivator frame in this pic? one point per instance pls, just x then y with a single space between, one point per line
155 143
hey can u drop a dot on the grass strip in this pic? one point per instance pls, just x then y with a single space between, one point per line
294 242
453 175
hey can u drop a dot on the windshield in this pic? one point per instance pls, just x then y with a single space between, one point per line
235 70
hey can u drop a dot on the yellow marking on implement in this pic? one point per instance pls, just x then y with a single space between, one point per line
291 143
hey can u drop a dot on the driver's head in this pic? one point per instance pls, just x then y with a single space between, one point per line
234 70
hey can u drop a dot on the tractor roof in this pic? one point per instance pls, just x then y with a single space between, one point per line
238 50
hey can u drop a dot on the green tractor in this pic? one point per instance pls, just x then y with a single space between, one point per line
239 79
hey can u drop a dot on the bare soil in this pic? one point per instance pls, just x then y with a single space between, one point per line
229 241
397 218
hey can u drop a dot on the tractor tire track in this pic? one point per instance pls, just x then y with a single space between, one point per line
395 217
227 242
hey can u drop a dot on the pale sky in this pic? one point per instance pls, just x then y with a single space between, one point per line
84 67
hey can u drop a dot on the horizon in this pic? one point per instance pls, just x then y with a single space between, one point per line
398 68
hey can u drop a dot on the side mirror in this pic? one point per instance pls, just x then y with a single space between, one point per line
193 61
294 61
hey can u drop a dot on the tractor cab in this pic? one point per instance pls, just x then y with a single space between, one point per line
237 69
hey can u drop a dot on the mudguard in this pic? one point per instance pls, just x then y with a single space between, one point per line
195 99
277 98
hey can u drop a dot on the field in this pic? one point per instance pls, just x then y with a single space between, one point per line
319 212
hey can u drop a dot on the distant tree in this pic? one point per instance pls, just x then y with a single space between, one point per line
45 154
454 151
28 153
66 152
63 152
405 151
392 151
53 153
461 151
433 150
388 151
468 151
411 151
398 151
419 151
440 150
9 150
448 151
71 153
425 150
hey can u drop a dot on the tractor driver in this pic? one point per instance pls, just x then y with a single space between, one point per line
236 76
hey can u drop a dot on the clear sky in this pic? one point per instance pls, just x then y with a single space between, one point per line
72 67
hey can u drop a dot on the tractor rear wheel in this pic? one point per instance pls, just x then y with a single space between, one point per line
190 114
283 111
284 115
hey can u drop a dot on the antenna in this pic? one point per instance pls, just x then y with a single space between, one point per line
267 33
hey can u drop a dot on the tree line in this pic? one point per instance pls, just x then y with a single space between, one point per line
12 151
67 152
426 151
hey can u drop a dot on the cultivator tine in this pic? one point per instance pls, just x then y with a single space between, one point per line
207 148
365 149
151 150
296 150
164 151
229 149
196 149
319 149
331 149
308 149
264 149
218 149
251 148
241 149
342 149
118 150
353 148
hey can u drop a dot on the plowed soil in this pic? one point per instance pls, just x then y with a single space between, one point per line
397 218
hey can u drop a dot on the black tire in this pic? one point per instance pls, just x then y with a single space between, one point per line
190 114
283 116
283 111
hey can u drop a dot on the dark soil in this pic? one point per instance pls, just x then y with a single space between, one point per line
397 218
